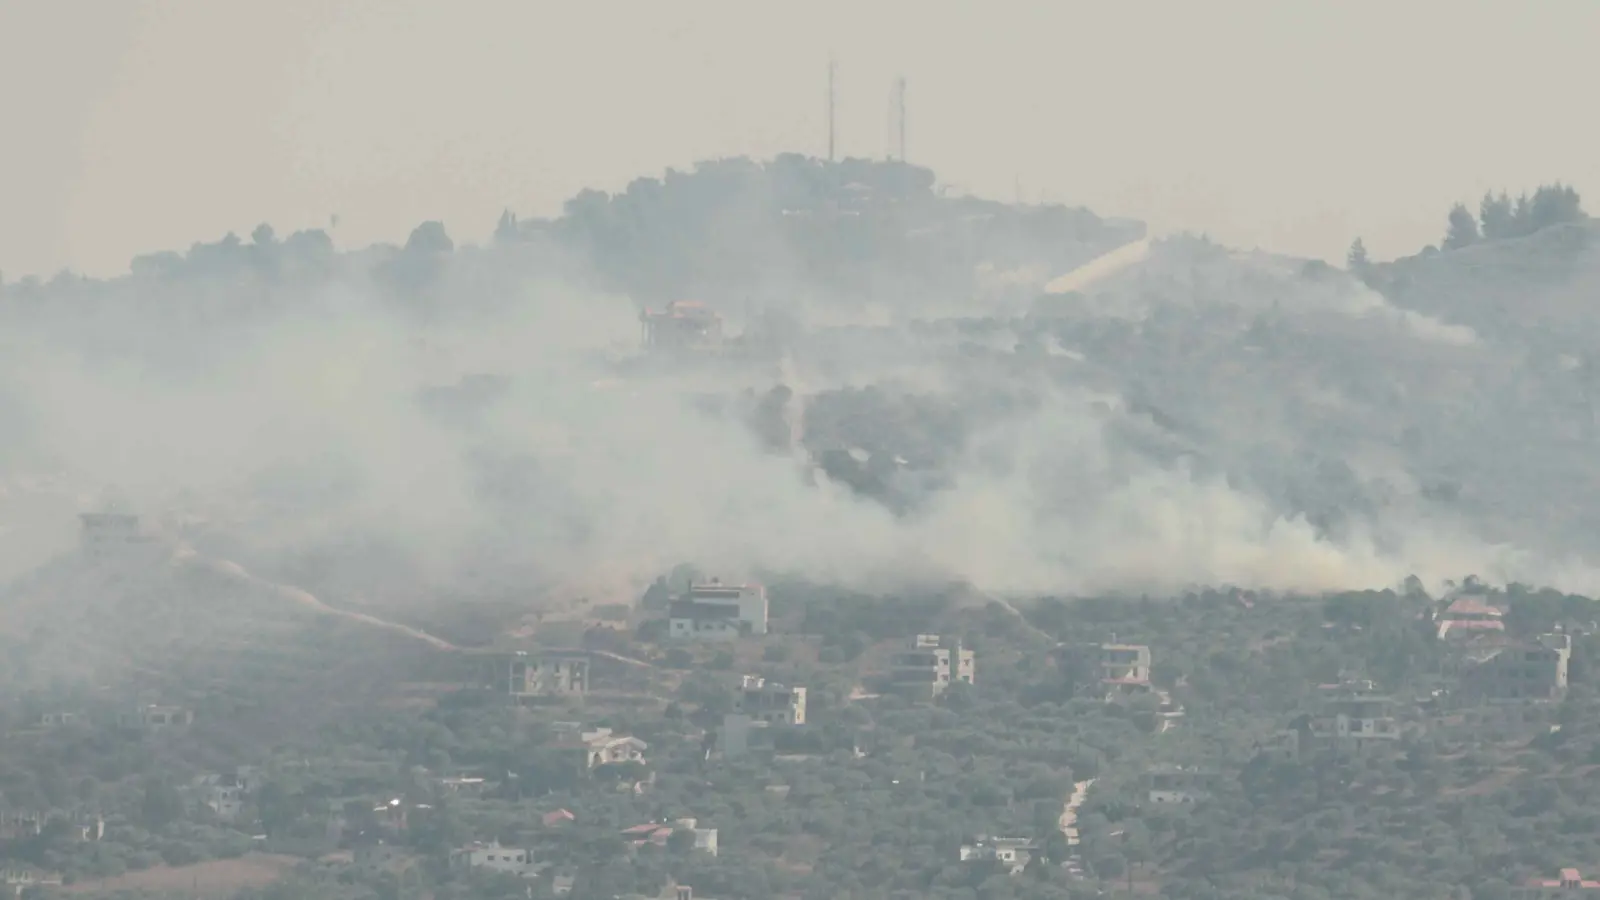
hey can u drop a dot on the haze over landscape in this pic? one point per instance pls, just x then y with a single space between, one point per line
411 410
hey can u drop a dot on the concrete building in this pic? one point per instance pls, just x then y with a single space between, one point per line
492 857
770 702
658 833
1125 666
1013 854
1520 672
928 667
544 673
1355 722
601 747
155 717
107 535
1568 885
718 612
682 325
1178 785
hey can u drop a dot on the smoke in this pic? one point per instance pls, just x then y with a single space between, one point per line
299 432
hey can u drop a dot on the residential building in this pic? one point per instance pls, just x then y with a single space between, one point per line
705 839
1170 785
493 857
1521 671
682 325
375 856
1125 666
1568 885
62 719
770 702
547 673
928 667
1469 616
19 880
1355 722
1013 854
109 535
718 612
154 717
601 747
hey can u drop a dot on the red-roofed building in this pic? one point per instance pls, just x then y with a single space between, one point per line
1468 617
1571 883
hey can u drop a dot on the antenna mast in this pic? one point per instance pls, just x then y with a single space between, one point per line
897 111
831 67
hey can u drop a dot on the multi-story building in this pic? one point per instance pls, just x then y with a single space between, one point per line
770 702
547 673
1125 666
109 535
718 612
492 857
1355 722
1178 785
1521 672
930 665
155 717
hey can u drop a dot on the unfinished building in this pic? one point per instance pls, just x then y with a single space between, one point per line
682 325
770 702
1520 672
546 673
718 612
1125 667
111 535
928 667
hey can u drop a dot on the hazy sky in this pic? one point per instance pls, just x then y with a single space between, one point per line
139 125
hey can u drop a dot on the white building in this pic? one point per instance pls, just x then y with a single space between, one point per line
718 612
1013 854
601 747
492 857
109 535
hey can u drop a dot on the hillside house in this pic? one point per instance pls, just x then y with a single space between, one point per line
658 833
929 665
1469 617
682 325
1569 884
770 702
492 857
20 880
373 857
1170 785
1528 671
108 536
1125 667
601 747
1354 722
718 612
155 718
1013 854
545 673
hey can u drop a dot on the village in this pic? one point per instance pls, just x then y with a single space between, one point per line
717 683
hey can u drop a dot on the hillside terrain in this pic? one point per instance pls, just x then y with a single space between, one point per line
1108 565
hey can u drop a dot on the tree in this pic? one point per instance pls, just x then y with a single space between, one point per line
506 229
1463 228
429 238
1356 260
263 235
1554 204
1494 212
